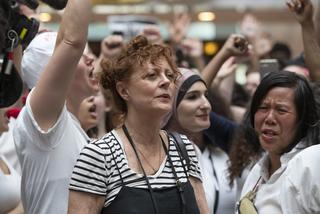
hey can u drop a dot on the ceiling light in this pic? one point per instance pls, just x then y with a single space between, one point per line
206 16
211 48
45 17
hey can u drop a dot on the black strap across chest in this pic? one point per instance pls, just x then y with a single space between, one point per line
178 183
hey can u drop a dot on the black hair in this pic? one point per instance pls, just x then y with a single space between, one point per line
4 23
56 4
298 61
304 101
283 48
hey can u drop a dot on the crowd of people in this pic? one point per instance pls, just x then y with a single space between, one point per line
150 126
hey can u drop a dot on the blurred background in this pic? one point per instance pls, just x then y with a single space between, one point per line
211 20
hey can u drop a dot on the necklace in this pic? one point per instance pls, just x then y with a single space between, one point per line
154 202
148 163
154 169
178 183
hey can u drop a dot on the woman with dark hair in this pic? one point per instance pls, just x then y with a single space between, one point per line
283 114
209 133
136 168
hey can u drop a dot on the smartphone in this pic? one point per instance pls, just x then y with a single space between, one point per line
268 65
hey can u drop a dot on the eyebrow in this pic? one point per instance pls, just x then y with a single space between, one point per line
281 103
196 91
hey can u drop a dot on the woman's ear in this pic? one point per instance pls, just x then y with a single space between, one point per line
122 90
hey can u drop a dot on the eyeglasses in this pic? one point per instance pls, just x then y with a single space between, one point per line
246 205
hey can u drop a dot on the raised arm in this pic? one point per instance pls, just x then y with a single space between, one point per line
234 46
49 95
303 11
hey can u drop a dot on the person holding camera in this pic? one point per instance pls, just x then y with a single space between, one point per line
48 135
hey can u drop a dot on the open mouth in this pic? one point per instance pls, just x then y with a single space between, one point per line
93 108
270 133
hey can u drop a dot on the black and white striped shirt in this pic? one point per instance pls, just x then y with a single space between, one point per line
96 170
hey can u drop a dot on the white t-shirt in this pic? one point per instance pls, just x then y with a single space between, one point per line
7 147
47 159
268 195
217 160
9 188
301 190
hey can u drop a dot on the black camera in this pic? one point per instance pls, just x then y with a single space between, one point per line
25 28
17 29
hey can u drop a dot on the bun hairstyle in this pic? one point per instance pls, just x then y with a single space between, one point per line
135 55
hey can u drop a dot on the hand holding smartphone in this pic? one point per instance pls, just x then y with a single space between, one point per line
268 65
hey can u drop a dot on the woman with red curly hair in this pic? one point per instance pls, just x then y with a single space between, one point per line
136 168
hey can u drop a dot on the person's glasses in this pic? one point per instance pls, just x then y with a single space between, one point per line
246 205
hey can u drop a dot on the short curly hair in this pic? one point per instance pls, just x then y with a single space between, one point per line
137 53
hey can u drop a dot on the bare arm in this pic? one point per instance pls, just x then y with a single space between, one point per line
225 78
311 51
49 95
84 203
234 46
303 11
17 55
200 195
17 210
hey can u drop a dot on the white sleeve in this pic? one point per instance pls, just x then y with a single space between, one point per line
300 192
91 174
45 139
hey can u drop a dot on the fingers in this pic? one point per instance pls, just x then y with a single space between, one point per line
240 43
230 61
152 33
228 67
290 5
112 45
296 3
151 30
179 26
192 47
113 41
297 6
